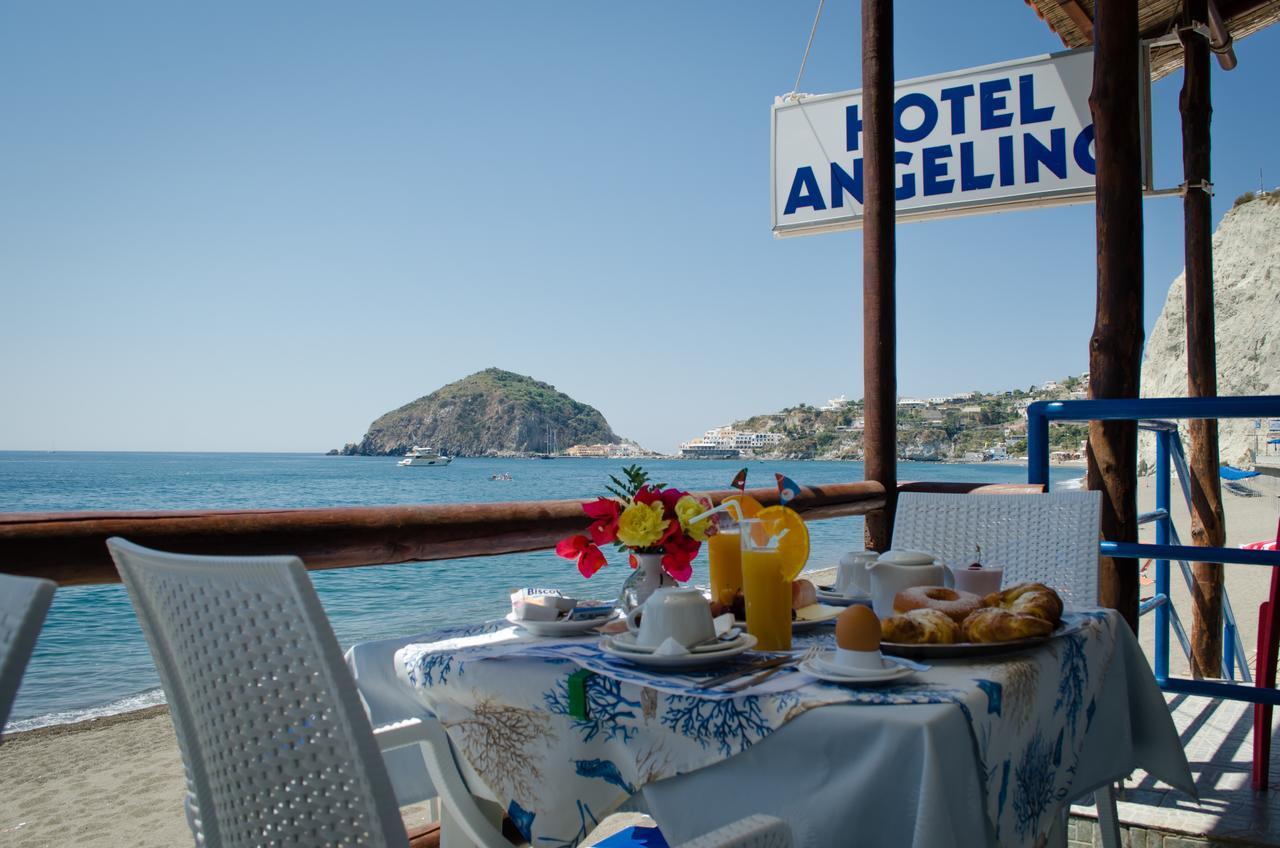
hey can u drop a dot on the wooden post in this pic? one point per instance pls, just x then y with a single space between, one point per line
1207 528
879 331
1115 349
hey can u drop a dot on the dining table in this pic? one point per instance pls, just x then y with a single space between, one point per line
978 749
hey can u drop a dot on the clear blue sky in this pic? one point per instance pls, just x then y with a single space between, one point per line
257 226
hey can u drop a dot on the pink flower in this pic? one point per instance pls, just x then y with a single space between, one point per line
590 558
603 513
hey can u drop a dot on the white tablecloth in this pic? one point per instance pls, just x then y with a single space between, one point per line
893 773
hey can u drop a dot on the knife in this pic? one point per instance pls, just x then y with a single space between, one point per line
745 670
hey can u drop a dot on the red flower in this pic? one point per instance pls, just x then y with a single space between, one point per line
669 498
603 513
678 553
590 558
647 495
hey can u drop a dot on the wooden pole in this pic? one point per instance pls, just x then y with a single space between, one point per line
1207 528
1115 349
879 331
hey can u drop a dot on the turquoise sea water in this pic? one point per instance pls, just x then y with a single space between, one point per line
92 660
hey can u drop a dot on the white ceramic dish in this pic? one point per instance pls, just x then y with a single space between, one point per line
627 642
824 667
827 595
679 662
560 628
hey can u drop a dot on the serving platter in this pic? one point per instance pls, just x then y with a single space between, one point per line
972 649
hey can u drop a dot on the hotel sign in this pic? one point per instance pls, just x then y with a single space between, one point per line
979 140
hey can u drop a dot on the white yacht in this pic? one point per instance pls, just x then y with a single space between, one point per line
424 456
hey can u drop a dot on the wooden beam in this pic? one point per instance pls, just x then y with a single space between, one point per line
69 547
1207 528
879 305
1115 348
1079 17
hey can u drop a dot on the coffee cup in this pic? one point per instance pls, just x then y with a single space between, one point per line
670 613
980 581
851 573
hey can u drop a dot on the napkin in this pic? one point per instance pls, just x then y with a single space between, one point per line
670 648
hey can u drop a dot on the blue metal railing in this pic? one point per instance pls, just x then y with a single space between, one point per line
1168 546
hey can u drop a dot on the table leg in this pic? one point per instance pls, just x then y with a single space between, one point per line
1108 817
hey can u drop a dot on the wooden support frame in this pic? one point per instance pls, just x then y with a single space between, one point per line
879 303
1115 348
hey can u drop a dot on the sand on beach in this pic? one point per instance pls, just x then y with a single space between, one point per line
114 781
118 781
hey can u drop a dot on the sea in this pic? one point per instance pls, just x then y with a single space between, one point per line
91 659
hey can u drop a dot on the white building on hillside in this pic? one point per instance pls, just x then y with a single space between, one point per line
728 442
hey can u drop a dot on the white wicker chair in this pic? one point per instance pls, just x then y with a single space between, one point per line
276 745
758 831
23 604
1050 539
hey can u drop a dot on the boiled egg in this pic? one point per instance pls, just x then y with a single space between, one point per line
858 629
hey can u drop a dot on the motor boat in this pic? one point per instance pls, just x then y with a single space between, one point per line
424 456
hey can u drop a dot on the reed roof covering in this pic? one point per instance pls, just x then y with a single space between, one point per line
1072 20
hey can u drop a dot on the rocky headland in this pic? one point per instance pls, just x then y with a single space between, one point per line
490 413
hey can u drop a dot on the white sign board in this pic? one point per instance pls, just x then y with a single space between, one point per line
1017 133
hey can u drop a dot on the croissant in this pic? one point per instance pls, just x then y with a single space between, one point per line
1030 598
992 624
921 627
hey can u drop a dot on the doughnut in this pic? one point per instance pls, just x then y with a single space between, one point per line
992 624
920 627
1030 598
955 605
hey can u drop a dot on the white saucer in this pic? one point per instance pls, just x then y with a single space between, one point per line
627 642
561 628
824 668
680 661
835 599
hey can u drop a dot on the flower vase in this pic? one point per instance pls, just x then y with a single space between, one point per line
645 578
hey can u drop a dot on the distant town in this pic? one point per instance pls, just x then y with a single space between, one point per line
964 427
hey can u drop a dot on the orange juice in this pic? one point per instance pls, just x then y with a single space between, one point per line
767 591
724 556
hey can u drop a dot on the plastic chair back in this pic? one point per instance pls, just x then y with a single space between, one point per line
276 745
1050 538
23 604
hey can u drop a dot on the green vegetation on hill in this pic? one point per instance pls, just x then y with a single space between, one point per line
488 413
951 429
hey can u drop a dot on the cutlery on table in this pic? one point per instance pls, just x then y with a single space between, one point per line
769 672
745 670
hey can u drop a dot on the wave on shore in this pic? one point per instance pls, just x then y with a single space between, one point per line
127 704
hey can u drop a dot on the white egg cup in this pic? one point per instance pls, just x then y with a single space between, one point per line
860 660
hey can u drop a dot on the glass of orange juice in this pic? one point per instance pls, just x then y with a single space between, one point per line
766 587
724 560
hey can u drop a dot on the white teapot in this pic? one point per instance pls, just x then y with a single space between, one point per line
898 570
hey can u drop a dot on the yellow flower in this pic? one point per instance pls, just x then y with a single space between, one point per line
641 525
687 507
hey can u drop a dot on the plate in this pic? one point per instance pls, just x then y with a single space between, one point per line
560 628
627 642
797 626
827 595
680 662
825 669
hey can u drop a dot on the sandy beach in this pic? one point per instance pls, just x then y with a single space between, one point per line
118 781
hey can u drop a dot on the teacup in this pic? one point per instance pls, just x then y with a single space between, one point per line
851 573
680 614
979 581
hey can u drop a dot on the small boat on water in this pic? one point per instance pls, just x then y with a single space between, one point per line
424 456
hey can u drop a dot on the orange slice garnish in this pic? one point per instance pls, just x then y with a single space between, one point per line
794 546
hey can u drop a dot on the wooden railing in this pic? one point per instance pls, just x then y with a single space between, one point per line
67 547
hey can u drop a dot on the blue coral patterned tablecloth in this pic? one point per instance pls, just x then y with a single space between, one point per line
1044 726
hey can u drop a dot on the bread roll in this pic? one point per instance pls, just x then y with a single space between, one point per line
803 593
920 627
1030 599
993 624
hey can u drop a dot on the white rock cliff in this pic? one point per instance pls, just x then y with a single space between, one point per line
1246 271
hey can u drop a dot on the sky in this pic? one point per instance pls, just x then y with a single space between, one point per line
257 227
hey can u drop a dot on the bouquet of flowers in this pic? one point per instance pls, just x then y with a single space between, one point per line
641 517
